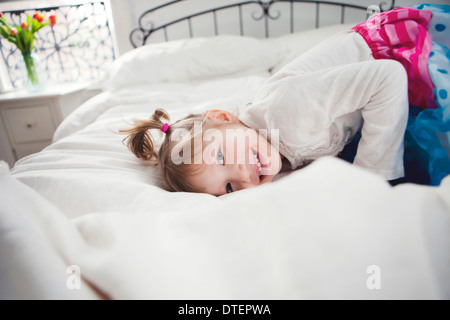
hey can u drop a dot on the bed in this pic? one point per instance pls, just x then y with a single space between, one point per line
85 219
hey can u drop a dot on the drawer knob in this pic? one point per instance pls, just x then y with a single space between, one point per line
30 125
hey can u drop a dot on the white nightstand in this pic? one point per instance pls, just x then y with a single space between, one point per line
28 120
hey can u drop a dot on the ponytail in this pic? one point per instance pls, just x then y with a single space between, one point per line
139 139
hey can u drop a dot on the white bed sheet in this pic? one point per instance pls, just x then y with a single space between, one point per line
87 201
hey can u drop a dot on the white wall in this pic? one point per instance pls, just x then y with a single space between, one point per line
126 14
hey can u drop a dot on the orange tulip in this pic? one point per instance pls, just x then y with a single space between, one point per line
24 25
13 31
52 19
38 17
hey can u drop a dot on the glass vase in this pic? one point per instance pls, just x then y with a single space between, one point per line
33 72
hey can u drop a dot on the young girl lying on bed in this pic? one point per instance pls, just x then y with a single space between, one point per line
311 108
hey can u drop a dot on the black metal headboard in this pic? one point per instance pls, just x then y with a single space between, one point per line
140 35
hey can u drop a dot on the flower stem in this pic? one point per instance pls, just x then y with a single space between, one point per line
31 68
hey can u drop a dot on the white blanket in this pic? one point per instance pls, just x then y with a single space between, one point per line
86 206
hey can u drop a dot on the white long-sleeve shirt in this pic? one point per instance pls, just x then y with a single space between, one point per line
321 99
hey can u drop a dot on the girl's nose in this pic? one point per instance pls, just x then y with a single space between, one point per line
242 177
243 174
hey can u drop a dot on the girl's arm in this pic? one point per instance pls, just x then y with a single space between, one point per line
385 117
379 90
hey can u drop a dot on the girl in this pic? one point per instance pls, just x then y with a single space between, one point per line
313 107
200 152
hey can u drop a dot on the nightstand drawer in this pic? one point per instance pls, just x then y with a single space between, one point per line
29 124
22 150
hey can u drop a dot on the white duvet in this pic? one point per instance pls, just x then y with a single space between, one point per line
85 208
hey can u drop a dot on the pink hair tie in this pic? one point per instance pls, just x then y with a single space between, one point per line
164 127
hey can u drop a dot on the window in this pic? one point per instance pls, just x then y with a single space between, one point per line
77 49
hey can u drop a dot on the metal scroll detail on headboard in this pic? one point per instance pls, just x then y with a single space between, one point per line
76 49
263 11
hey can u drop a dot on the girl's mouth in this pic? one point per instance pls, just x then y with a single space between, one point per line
258 165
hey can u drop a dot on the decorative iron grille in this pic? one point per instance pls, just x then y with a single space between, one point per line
77 49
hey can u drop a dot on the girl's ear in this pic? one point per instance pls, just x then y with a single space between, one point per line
220 115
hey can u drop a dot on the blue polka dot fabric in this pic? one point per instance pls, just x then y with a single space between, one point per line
427 138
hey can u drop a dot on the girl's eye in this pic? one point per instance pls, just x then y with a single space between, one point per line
221 161
220 157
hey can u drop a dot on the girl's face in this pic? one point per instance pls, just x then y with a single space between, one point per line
235 157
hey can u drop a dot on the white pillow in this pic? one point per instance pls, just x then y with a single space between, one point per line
293 45
191 59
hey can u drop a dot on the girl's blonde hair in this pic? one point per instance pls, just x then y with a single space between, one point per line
140 141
